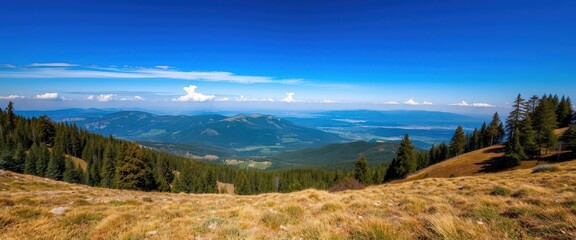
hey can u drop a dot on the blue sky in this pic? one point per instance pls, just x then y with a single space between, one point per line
458 56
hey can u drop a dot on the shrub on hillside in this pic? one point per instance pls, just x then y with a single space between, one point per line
346 183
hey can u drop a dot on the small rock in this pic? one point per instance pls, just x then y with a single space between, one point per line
377 203
284 228
151 233
460 187
59 210
213 225
360 217
480 222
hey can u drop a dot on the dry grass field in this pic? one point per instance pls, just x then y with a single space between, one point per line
517 204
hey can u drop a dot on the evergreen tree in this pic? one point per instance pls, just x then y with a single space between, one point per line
242 184
458 142
19 157
30 162
528 137
42 160
495 129
56 165
69 171
545 121
132 173
404 163
360 170
516 115
9 122
108 166
564 112
484 136
514 150
476 138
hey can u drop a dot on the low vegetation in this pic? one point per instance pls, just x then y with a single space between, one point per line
509 205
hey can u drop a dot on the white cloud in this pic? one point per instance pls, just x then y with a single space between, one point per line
138 98
411 102
7 66
102 97
390 103
52 65
193 96
48 96
328 101
289 98
242 98
11 97
137 73
163 67
466 104
414 103
225 99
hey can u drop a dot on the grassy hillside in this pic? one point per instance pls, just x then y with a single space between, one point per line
514 204
481 161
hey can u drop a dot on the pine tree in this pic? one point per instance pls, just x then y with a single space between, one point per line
514 150
516 115
545 121
42 160
360 170
494 129
56 165
404 163
132 173
242 184
19 157
30 162
564 112
108 166
484 136
528 137
458 142
69 171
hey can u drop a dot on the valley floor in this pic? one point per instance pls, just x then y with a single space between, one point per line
511 205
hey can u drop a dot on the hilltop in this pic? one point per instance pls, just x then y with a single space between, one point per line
513 204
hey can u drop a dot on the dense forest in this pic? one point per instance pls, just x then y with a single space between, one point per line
60 151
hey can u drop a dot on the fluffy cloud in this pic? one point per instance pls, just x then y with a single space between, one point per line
138 98
328 101
413 102
289 98
466 104
52 65
102 97
48 96
193 96
225 99
11 97
163 67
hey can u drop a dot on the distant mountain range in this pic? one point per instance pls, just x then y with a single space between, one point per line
323 139
254 134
